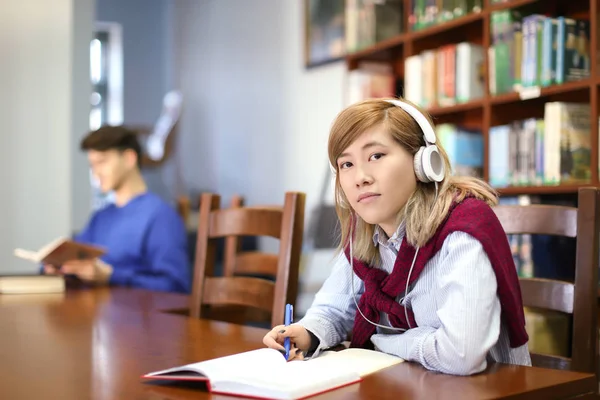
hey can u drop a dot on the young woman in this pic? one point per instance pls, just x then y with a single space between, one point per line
425 271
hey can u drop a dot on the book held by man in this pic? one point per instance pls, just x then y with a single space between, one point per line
265 373
60 251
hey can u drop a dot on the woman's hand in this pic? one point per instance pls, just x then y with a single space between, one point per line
299 340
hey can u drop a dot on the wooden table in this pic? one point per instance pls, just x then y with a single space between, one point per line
95 344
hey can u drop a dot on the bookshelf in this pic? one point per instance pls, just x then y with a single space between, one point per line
492 110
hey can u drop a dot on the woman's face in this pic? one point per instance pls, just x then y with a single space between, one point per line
377 177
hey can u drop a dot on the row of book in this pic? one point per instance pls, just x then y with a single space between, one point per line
550 151
536 50
464 148
445 76
454 73
370 80
553 150
426 13
369 22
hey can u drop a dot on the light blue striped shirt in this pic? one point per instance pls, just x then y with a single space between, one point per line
454 302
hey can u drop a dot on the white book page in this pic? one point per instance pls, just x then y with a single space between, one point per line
266 373
294 380
302 378
27 255
38 256
361 361
249 365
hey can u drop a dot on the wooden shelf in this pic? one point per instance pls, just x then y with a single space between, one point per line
511 4
383 49
457 108
558 189
446 26
378 51
568 87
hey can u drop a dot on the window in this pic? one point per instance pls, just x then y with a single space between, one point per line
106 100
106 74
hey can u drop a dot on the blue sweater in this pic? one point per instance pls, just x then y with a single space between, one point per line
146 242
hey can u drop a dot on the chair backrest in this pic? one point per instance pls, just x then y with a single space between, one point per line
242 284
578 298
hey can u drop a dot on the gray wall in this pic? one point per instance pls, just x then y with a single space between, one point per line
43 109
146 60
256 121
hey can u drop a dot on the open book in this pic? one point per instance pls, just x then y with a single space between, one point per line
265 373
61 250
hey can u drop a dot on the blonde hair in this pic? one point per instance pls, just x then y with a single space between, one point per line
423 214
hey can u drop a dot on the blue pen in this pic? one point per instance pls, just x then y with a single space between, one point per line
288 319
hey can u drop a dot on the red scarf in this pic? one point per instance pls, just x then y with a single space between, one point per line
471 216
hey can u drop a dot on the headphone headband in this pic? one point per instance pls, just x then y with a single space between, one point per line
425 126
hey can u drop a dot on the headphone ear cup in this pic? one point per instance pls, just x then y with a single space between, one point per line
418 166
432 164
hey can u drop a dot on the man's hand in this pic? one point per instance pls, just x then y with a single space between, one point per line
93 271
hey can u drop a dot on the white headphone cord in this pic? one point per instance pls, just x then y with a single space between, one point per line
407 280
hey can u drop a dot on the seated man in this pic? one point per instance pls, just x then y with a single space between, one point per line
145 238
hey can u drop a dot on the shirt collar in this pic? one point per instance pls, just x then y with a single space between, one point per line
380 237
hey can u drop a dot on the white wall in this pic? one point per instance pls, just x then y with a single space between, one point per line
83 26
43 104
256 121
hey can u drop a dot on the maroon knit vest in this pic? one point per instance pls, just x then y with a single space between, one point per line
471 216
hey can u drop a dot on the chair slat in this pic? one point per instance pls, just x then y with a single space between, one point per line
246 291
256 263
538 219
245 222
547 294
232 243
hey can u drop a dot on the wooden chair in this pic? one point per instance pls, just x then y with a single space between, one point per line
233 296
578 298
183 208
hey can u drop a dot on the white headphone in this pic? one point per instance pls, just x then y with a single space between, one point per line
428 163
